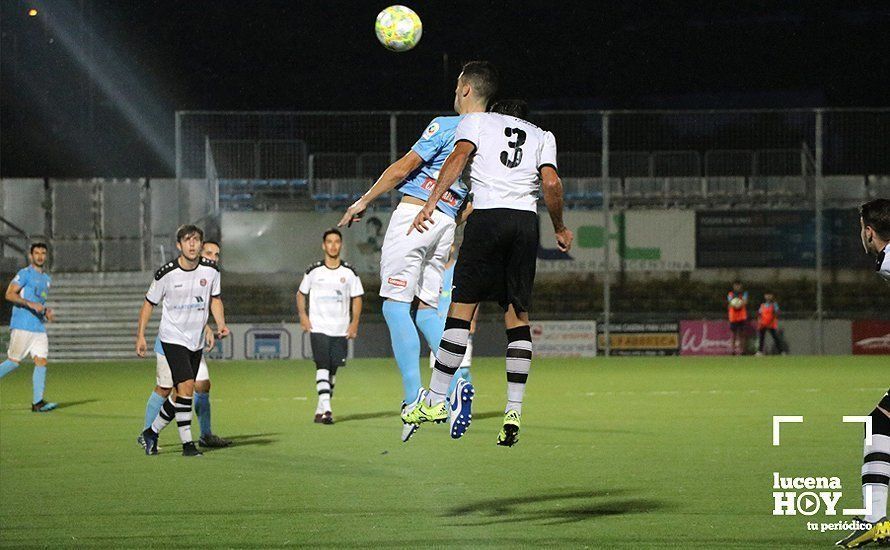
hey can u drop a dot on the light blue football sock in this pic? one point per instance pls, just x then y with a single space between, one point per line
39 383
153 408
202 409
7 367
405 345
431 326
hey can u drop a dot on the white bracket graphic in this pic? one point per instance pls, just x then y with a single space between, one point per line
863 511
867 488
865 420
778 421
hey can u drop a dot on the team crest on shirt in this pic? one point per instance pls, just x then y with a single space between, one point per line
342 279
431 130
203 282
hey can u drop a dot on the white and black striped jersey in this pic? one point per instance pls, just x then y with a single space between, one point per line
330 294
882 266
185 296
504 172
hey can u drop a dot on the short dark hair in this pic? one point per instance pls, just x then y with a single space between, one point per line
38 245
876 214
213 242
736 282
483 77
188 230
331 231
511 107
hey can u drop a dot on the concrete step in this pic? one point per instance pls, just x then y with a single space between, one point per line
98 355
102 279
92 346
97 327
95 294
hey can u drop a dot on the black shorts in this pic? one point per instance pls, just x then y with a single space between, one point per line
183 362
497 258
328 352
737 326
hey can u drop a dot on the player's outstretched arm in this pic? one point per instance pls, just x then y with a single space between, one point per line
219 315
551 186
144 316
451 170
388 180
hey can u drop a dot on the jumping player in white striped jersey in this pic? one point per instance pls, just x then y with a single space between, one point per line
189 288
511 162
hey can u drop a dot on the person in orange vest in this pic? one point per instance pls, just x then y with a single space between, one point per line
737 309
768 321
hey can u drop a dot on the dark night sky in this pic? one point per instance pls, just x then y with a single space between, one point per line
150 58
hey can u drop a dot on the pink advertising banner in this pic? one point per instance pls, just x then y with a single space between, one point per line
704 337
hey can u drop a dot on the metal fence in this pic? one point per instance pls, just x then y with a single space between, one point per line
282 145
767 196
100 225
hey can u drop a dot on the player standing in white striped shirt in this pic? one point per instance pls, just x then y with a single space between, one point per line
189 288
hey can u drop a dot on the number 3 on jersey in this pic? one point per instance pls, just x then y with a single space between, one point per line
515 145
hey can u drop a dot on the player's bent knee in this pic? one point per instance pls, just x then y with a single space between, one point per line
40 361
202 386
186 389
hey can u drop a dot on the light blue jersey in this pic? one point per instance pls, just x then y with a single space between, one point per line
35 286
434 146
447 287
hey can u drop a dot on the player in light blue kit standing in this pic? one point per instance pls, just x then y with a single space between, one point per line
27 333
411 266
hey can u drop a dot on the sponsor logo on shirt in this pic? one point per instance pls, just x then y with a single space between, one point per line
448 197
431 130
397 282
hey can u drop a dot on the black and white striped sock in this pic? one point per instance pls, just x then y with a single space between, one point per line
519 363
876 467
451 352
168 411
323 386
184 418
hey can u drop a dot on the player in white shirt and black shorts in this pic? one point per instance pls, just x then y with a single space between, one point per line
511 162
189 289
334 292
874 225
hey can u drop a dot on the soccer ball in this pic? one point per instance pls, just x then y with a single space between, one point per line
398 28
736 303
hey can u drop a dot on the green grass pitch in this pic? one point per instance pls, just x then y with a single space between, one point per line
620 453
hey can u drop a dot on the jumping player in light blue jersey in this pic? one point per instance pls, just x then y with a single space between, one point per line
411 266
27 333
